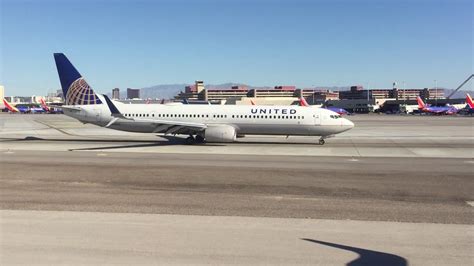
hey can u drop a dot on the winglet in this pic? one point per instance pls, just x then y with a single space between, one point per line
185 101
252 102
469 101
113 109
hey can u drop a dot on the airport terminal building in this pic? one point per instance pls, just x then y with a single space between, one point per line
356 99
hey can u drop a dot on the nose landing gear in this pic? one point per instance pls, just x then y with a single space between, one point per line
321 140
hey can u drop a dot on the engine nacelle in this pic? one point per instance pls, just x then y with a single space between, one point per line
222 133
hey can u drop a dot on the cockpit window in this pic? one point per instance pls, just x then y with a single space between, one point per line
335 116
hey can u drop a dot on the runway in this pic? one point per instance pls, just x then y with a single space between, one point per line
394 185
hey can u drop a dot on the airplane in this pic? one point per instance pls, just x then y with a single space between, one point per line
469 109
35 110
469 101
439 110
14 109
44 106
337 110
202 123
49 109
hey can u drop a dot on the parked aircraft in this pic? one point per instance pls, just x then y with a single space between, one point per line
469 101
16 109
203 123
469 108
45 106
448 110
337 110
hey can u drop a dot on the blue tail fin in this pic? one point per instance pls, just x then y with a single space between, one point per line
75 89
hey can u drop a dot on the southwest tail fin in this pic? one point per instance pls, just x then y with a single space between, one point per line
421 104
75 88
10 107
303 102
44 106
469 101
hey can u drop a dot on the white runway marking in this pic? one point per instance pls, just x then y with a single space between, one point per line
353 160
101 154
470 203
9 152
469 161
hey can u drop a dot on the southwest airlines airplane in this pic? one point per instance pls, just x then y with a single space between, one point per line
203 123
447 110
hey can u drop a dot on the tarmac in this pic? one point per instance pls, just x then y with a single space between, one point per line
395 190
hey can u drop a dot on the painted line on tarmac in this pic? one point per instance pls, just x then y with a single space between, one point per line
9 152
469 161
353 160
470 203
279 198
101 154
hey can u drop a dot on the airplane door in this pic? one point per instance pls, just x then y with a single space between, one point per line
317 119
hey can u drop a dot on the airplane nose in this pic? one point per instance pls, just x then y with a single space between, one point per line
347 124
350 124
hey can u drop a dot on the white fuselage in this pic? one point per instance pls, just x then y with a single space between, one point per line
247 120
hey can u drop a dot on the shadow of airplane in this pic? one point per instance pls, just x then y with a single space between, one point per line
366 257
170 140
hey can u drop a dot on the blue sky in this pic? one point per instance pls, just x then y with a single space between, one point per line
263 42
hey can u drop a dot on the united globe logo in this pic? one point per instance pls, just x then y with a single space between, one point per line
80 93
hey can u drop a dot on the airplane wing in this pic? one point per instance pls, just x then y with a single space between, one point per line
165 126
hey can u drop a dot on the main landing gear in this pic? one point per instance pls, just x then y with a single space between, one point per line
193 140
190 140
199 139
321 141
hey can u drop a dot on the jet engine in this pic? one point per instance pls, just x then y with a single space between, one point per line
221 133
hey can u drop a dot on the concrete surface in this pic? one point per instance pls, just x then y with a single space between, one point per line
135 239
373 136
395 189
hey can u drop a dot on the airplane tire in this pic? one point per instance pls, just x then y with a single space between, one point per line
321 142
199 139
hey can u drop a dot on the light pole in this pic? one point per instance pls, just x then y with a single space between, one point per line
404 93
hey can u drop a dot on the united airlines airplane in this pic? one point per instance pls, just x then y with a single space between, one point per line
203 123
